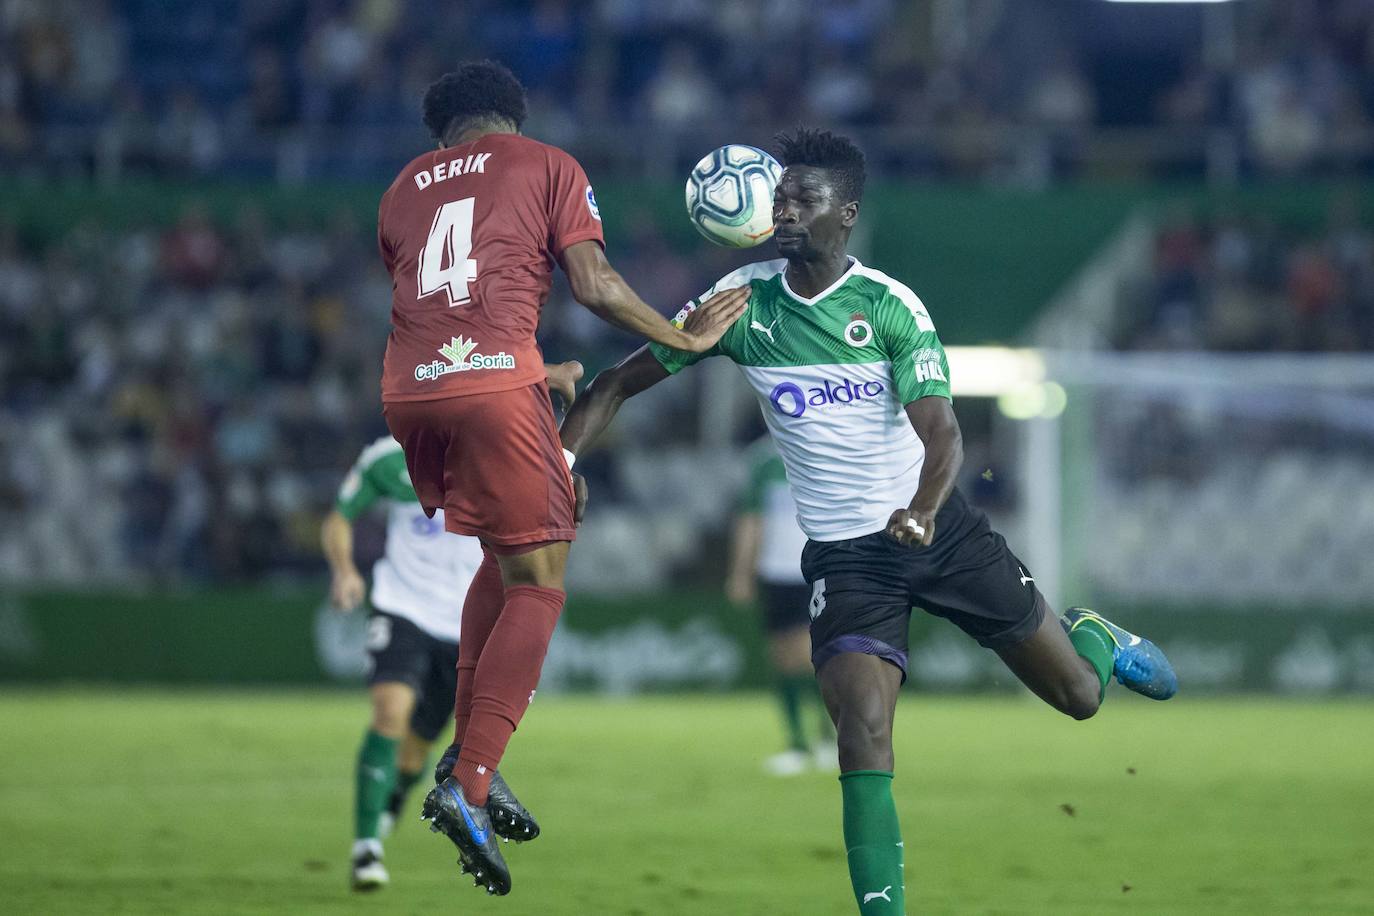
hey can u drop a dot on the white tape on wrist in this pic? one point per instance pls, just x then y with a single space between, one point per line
917 529
569 457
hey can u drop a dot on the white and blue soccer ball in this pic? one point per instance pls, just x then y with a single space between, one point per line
730 196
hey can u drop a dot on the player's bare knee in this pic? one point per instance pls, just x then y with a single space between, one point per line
863 734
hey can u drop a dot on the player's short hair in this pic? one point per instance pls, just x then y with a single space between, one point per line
476 90
825 150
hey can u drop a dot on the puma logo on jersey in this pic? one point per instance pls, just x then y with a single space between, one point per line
755 325
1024 578
878 895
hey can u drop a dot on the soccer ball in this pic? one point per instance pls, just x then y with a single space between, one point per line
730 196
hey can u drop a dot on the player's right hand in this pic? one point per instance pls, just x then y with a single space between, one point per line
579 498
912 527
708 322
346 590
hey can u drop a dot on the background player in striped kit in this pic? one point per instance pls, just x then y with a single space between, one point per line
418 588
765 568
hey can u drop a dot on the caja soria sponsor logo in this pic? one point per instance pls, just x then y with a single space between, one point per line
460 356
792 400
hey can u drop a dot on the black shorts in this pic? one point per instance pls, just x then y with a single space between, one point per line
400 652
863 588
784 606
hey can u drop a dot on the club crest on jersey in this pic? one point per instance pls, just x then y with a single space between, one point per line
459 356
858 333
591 204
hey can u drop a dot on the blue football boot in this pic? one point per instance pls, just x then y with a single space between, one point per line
469 827
510 819
1138 664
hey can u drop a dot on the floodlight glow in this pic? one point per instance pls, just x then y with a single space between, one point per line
1056 399
983 372
1045 400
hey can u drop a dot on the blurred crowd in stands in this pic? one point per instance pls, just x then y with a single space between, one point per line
182 400
196 377
186 400
972 88
1247 282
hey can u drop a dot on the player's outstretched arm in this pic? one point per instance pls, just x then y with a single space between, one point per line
599 287
601 399
596 408
935 423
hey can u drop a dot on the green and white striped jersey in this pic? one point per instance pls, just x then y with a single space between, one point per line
425 571
832 374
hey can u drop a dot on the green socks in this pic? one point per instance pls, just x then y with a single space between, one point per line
792 690
1092 641
873 841
376 775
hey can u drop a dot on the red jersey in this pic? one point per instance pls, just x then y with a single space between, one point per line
470 235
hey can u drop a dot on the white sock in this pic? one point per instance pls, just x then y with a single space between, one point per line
367 844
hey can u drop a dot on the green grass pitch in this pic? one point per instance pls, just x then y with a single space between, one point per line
202 802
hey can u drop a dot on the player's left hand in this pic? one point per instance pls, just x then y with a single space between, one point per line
900 527
579 497
562 379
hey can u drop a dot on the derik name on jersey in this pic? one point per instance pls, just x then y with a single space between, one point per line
443 171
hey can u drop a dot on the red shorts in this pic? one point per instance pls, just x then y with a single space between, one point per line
493 462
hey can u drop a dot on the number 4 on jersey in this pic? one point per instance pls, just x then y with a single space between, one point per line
444 262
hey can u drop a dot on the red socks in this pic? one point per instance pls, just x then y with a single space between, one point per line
503 682
481 608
